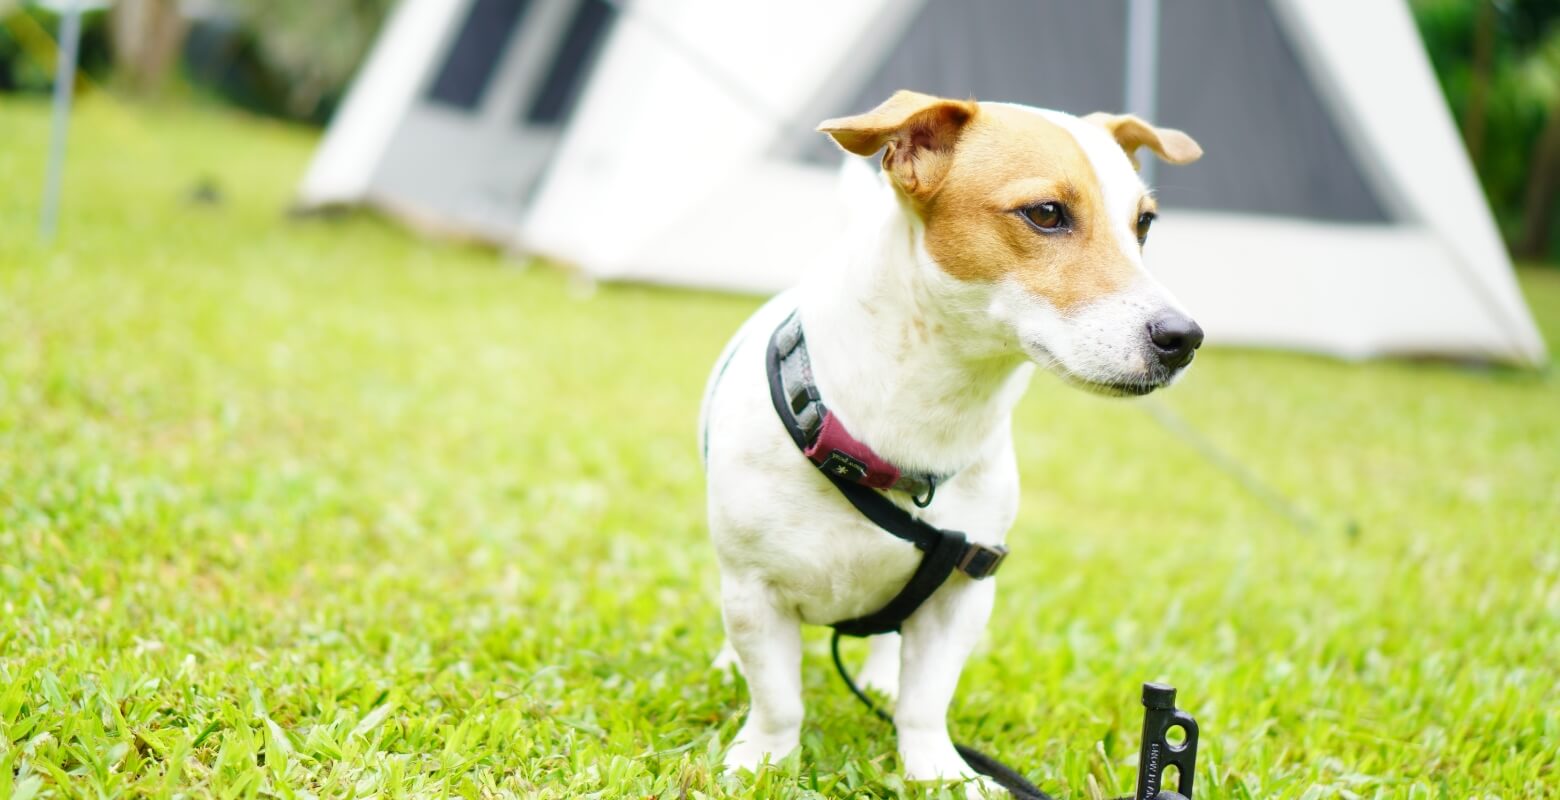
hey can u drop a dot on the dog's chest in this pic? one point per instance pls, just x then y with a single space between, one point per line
777 522
819 555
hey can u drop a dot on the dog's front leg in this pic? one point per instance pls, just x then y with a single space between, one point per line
768 643
881 670
937 639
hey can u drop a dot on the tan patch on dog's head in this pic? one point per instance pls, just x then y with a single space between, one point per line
1040 213
1008 160
970 169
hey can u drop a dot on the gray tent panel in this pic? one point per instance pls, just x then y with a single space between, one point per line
587 28
1049 53
1227 75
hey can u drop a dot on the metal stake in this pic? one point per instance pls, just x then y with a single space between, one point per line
64 88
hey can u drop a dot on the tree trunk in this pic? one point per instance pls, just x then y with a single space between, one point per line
147 37
1479 82
1538 207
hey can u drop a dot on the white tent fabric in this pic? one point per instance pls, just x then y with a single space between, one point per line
676 168
383 93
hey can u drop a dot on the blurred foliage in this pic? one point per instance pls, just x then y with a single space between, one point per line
312 46
1518 76
284 58
27 50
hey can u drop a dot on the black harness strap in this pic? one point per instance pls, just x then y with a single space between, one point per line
945 550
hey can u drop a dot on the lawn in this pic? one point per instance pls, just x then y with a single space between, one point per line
315 508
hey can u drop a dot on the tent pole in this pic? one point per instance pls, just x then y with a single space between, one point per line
1141 91
64 86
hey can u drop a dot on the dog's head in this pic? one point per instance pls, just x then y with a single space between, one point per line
1035 220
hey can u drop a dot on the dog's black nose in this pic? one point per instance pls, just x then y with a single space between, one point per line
1176 337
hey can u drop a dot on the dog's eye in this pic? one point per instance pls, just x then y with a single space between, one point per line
1048 217
1144 220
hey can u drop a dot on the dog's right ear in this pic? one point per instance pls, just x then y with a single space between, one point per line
1131 133
919 132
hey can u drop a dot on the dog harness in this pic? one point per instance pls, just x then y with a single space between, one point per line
859 472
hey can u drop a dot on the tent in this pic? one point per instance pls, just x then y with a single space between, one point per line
456 111
1335 210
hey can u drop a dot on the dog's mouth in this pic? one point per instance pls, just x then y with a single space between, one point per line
1124 385
1117 388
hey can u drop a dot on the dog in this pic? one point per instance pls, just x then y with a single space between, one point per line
995 238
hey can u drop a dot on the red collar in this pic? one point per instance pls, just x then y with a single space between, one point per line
828 444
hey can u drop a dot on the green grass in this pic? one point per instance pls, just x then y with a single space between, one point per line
316 508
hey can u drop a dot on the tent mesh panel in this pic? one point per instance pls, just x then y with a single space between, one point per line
587 28
474 54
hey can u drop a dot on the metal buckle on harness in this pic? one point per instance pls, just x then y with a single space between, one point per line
980 561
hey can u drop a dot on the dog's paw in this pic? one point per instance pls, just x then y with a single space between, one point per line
930 756
751 749
982 787
976 787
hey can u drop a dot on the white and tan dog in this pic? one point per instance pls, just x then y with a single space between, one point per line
998 237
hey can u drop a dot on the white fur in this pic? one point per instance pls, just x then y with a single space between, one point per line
792 550
1119 182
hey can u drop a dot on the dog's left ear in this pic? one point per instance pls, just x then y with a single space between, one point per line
1131 133
919 132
